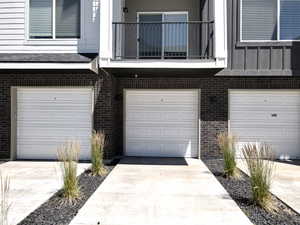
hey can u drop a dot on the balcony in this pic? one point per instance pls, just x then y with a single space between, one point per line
140 34
163 40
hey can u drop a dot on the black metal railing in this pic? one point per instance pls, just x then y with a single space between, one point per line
163 40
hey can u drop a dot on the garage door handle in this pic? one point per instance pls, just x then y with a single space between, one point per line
274 115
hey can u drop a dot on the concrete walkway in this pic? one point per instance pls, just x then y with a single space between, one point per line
286 183
160 192
31 184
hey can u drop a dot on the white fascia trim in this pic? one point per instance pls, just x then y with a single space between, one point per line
176 64
36 66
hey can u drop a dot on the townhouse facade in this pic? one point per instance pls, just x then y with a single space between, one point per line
160 78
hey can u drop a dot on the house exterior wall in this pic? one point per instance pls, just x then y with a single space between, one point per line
108 103
257 58
213 101
14 23
103 104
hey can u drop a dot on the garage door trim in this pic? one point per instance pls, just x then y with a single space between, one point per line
14 105
198 92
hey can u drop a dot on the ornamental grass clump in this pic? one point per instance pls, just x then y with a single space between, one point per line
5 205
260 164
68 155
227 145
98 142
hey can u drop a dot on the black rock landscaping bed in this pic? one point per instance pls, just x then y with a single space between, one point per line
240 191
54 212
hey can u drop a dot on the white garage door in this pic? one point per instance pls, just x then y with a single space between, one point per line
267 116
162 123
47 117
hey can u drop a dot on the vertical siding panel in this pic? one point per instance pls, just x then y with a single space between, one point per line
251 63
276 58
283 58
294 56
258 58
287 58
264 61
245 58
238 58
270 57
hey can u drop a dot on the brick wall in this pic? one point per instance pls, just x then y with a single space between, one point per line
103 84
214 101
108 112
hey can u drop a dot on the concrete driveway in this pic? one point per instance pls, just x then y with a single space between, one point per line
32 183
149 191
286 183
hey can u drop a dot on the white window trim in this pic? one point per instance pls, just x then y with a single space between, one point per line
54 40
262 41
164 13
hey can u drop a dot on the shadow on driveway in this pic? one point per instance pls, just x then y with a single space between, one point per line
154 161
295 162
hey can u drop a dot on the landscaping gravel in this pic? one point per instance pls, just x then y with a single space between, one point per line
54 212
239 190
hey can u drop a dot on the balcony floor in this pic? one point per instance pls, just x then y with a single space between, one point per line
166 63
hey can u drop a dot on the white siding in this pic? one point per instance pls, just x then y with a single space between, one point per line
162 123
13 30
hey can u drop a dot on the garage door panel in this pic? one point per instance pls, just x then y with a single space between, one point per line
267 115
161 116
161 148
48 132
173 125
157 132
47 117
156 96
162 123
272 117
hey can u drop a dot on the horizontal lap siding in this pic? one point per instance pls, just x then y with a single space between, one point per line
13 30
12 23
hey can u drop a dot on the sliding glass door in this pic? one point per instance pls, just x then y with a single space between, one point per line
162 35
150 36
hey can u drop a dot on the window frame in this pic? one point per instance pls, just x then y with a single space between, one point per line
278 40
54 40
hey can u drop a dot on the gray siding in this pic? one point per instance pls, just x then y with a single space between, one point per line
255 58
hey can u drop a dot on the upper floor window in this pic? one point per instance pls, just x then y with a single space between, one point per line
54 19
269 20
